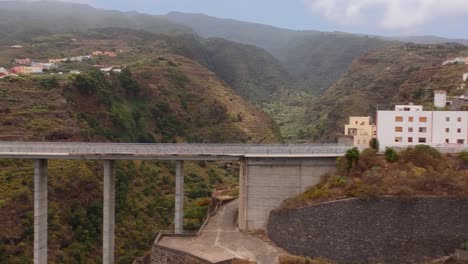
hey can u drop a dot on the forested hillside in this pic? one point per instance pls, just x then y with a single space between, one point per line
380 79
160 96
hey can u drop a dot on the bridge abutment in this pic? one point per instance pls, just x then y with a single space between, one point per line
108 213
40 211
266 182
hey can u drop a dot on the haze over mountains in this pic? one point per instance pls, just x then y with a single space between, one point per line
314 59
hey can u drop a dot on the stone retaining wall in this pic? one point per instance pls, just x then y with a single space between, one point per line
377 230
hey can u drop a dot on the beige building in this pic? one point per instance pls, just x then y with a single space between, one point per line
361 129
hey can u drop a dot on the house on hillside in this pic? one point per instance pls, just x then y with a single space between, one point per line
45 66
117 69
3 72
58 60
26 61
465 77
460 60
24 70
97 53
76 58
110 54
360 130
17 46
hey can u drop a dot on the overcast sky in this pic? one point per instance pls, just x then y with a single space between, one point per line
447 18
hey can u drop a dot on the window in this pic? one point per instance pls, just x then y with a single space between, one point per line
459 130
422 140
410 129
459 119
410 140
398 139
423 119
422 129
410 119
398 129
398 118
447 140
447 130
447 119
460 141
406 109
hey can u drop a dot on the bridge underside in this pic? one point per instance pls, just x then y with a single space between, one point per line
266 182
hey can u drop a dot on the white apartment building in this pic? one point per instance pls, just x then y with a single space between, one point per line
409 125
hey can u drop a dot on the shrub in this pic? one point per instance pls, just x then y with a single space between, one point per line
391 155
368 159
463 156
352 156
290 259
422 156
464 245
342 165
374 144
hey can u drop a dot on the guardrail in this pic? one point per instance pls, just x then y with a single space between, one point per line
212 210
88 148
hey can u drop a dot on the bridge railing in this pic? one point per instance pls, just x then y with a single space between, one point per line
169 149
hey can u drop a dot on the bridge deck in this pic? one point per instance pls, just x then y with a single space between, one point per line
137 151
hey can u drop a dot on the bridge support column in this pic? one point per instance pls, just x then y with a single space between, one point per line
179 198
109 213
40 212
242 220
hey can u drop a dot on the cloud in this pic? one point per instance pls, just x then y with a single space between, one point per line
389 14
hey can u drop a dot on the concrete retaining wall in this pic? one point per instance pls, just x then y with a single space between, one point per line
378 230
265 183
164 255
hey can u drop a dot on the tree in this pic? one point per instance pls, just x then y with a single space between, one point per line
352 156
391 155
374 144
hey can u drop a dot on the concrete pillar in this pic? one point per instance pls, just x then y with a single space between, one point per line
40 212
179 198
109 213
242 221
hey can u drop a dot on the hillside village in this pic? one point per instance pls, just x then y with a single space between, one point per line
444 126
28 66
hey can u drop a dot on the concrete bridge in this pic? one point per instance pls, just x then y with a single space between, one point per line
268 175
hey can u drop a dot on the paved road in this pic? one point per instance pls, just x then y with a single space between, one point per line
89 150
220 240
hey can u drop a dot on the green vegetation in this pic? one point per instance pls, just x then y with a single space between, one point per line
391 155
420 170
291 259
374 144
314 59
147 102
464 245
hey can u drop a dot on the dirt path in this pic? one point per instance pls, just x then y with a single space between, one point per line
221 240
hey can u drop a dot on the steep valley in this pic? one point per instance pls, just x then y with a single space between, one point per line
161 96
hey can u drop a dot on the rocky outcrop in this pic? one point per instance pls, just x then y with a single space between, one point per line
376 230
